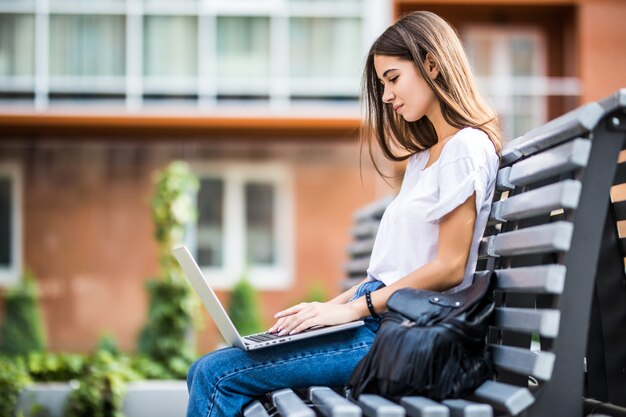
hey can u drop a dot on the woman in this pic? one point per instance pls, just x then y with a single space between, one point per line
422 105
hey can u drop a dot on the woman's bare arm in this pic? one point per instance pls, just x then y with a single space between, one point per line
456 230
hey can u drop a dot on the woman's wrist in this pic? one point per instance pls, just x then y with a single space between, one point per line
370 305
359 306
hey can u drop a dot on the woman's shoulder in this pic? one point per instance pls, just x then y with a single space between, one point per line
417 158
469 142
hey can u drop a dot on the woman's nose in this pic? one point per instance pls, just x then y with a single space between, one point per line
387 96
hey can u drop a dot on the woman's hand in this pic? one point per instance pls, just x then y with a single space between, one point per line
305 315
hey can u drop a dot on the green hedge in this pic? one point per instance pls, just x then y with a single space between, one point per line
22 330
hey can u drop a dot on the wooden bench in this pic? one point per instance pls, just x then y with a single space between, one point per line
552 239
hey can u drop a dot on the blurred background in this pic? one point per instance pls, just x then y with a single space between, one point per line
261 99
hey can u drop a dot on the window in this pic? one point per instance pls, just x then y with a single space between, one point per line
17 44
87 45
10 224
511 70
244 225
325 47
204 52
243 46
170 48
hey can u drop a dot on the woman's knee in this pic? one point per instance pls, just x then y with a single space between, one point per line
213 365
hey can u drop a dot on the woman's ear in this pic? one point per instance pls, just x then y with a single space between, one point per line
431 66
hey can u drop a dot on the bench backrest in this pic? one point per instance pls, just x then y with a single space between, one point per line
547 229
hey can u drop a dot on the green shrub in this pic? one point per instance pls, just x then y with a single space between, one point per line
22 331
148 368
108 343
51 367
101 387
165 338
243 308
13 378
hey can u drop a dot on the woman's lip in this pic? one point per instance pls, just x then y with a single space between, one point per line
397 108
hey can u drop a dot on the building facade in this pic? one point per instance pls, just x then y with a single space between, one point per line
261 98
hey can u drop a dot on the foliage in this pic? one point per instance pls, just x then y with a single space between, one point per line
243 309
169 317
48 367
101 387
172 209
22 331
13 378
99 379
165 337
149 368
108 343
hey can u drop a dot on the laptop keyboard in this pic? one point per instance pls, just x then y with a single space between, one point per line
263 337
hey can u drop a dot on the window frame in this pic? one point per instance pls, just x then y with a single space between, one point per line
235 176
500 87
207 88
10 275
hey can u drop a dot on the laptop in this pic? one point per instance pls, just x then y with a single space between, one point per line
225 324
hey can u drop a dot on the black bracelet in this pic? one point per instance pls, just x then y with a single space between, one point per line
370 306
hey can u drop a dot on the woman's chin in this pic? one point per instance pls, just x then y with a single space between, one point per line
410 119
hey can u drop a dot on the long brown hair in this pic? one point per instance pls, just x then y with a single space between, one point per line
411 38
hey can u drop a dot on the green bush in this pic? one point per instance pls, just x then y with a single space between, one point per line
22 331
13 378
243 308
172 306
101 387
163 338
108 343
50 367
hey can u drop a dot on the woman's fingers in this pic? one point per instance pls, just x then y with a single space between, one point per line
296 320
287 317
303 326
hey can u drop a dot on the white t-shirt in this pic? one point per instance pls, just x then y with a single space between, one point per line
408 234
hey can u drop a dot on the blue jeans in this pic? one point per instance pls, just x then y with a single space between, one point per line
223 382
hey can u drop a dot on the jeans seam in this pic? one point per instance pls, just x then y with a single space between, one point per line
267 365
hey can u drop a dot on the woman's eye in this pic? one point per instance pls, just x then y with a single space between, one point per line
393 80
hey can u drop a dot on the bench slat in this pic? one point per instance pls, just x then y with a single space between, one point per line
255 409
545 322
561 195
464 408
524 361
331 404
377 406
502 180
564 158
361 247
574 123
289 404
548 279
505 397
365 229
423 407
357 266
545 238
373 210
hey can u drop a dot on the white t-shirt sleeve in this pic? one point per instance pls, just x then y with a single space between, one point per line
463 171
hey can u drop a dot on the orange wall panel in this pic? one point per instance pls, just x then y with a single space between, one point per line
602 38
88 232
